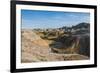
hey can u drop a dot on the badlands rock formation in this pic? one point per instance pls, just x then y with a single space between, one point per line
36 49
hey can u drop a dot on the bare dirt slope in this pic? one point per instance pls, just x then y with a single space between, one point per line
35 49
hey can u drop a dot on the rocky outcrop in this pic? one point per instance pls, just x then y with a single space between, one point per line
35 49
72 44
32 46
84 46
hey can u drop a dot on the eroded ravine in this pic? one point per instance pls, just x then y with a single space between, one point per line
36 49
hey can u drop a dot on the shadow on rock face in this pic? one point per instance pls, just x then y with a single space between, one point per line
64 44
71 44
84 46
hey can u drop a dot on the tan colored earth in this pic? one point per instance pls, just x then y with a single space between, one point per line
36 49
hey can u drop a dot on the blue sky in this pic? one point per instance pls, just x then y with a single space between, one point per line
51 19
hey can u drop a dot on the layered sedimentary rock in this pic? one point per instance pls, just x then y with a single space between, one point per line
72 44
35 49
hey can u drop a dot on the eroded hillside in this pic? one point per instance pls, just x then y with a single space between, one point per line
36 49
